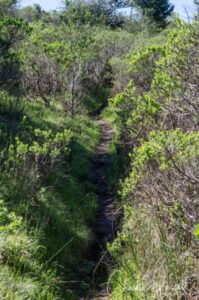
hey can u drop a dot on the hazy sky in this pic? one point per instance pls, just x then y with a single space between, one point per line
56 4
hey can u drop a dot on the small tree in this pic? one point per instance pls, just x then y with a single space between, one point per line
97 12
157 11
197 9
12 30
8 7
31 13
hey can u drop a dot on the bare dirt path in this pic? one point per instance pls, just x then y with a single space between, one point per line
107 220
102 161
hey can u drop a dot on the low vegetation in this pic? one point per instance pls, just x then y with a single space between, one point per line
58 71
156 251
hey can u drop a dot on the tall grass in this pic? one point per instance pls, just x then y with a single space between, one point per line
44 231
148 265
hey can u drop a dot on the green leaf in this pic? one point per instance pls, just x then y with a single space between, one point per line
196 231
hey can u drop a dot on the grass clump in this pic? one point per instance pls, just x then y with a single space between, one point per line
47 202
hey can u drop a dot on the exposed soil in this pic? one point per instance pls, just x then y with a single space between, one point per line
107 219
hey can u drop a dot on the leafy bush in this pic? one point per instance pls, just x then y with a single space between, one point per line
157 99
156 250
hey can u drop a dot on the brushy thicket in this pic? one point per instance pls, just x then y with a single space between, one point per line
57 70
54 73
156 252
46 201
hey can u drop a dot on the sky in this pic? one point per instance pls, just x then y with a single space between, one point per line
56 4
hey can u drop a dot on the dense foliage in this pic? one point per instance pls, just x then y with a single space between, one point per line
157 11
57 72
157 249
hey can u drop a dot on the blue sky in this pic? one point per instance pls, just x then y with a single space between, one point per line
56 4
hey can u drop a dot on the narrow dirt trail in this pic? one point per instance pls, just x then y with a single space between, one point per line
107 220
102 161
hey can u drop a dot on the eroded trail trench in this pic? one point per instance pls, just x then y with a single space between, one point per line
107 220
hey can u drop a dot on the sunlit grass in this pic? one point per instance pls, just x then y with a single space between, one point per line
48 246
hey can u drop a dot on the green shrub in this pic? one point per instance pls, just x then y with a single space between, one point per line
156 250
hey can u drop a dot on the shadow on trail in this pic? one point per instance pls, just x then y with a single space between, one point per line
107 222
